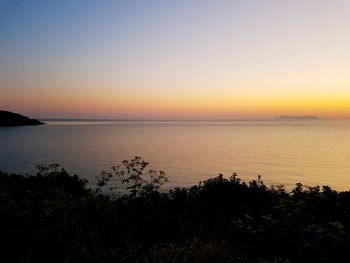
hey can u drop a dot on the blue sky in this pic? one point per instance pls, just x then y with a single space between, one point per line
175 59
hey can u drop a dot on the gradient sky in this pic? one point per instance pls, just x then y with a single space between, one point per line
175 59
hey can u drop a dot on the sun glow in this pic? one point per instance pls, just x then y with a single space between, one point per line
230 60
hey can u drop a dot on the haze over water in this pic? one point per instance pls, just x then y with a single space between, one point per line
283 152
188 60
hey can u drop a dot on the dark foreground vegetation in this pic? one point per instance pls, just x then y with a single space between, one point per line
54 217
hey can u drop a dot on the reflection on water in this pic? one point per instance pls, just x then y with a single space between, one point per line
282 152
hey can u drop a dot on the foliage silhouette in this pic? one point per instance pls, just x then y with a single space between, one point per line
131 174
54 217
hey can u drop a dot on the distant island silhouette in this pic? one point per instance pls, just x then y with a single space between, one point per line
8 118
303 118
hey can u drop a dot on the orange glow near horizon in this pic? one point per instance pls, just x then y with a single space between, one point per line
177 60
243 107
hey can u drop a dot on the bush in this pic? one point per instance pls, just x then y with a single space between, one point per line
54 217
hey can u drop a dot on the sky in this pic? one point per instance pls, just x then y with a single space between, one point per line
183 59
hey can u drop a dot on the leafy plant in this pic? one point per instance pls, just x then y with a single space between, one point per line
131 173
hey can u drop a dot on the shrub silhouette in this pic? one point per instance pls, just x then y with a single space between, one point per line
54 217
131 174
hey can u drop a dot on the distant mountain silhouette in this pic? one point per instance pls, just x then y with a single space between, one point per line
293 118
14 119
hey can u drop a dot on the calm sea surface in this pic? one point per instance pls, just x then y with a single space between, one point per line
282 152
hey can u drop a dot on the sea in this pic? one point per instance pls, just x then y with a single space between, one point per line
313 152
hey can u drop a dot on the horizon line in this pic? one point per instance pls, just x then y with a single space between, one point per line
279 118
